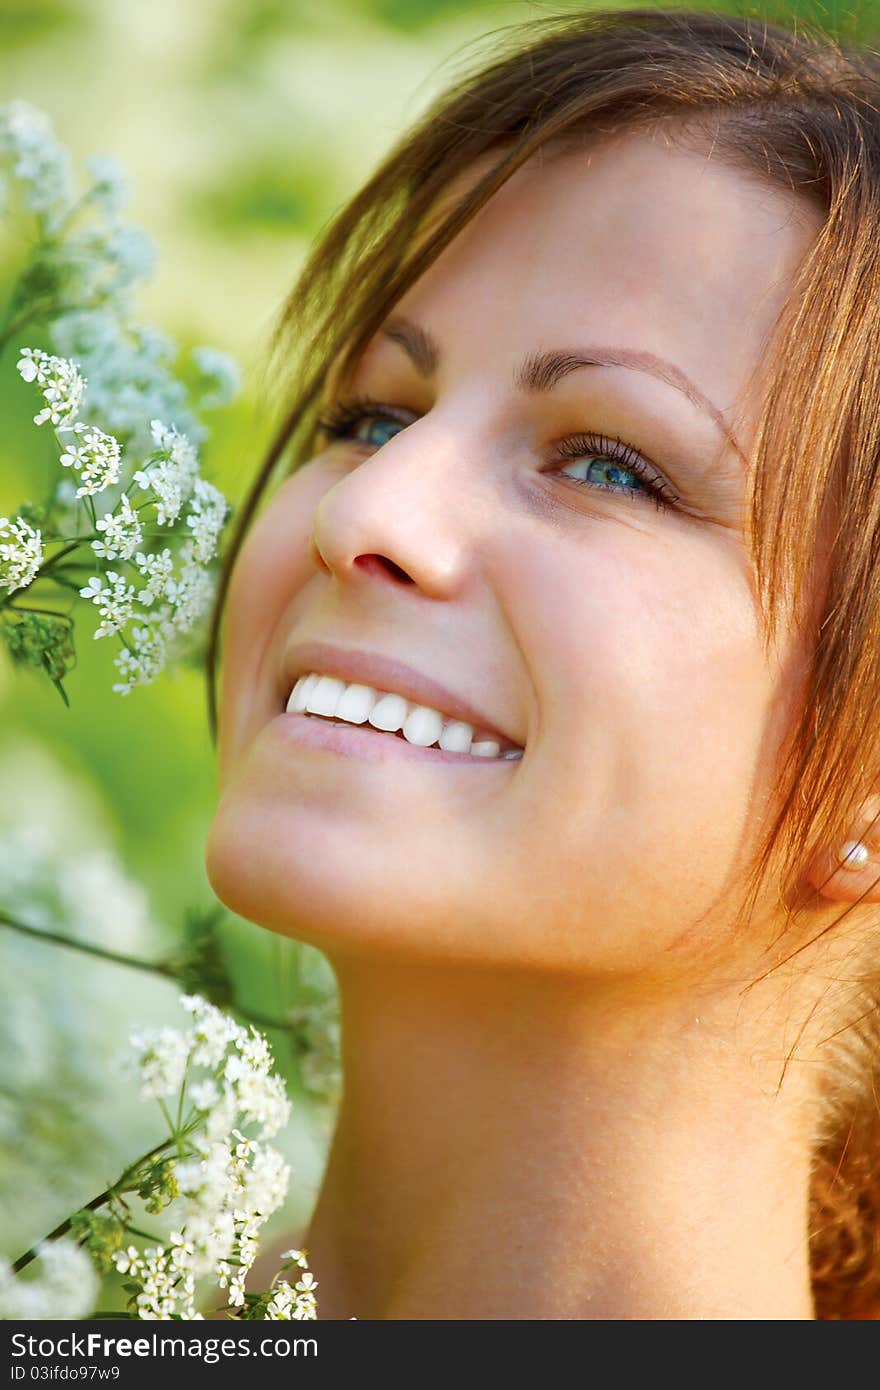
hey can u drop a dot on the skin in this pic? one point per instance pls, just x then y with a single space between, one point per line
560 1100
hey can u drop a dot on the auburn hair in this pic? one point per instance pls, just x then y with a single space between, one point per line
799 111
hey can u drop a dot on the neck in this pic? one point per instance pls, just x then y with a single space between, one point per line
507 1148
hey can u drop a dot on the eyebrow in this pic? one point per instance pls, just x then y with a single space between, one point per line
541 371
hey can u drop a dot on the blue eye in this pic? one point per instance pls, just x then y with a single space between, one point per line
346 419
378 424
614 473
615 460
611 457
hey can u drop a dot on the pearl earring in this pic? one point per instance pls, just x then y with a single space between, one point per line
853 854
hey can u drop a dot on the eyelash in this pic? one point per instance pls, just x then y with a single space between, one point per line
342 415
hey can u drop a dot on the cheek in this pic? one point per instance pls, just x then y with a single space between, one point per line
664 628
654 699
272 568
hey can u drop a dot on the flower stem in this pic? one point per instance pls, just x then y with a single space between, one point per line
144 1235
170 1123
182 1095
47 612
88 947
103 1197
42 571
153 967
34 311
59 555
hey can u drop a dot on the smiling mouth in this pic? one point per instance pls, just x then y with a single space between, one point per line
334 701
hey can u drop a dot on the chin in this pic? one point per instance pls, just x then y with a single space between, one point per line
256 875
301 884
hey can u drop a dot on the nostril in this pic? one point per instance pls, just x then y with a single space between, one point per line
375 564
398 572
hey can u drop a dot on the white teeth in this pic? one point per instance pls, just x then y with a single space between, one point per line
456 737
420 725
325 696
487 749
423 726
389 713
355 703
300 694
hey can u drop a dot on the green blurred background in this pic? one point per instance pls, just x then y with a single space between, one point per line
242 125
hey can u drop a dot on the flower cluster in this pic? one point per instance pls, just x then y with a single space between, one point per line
221 1184
220 377
314 1017
66 1288
318 1034
96 459
110 392
60 872
39 161
87 273
228 1101
114 602
206 517
293 1302
175 468
21 553
123 533
60 382
175 600
130 371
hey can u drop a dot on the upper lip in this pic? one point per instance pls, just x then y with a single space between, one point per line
383 673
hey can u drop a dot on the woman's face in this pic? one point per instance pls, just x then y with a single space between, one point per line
494 527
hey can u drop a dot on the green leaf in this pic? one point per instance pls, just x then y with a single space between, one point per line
61 691
42 641
199 963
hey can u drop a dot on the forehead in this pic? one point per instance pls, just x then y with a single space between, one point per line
634 241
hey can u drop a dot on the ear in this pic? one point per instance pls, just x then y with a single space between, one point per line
858 878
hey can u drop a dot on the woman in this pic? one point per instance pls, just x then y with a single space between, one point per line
577 515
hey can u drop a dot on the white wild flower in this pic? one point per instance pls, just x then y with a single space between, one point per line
157 569
160 1056
171 474
190 593
142 660
60 382
109 191
21 553
97 459
120 375
230 1183
122 530
38 158
65 1286
221 375
114 602
208 509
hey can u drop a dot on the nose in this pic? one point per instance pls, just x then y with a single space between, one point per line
402 514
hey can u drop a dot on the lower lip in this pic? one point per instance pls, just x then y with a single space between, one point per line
373 746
